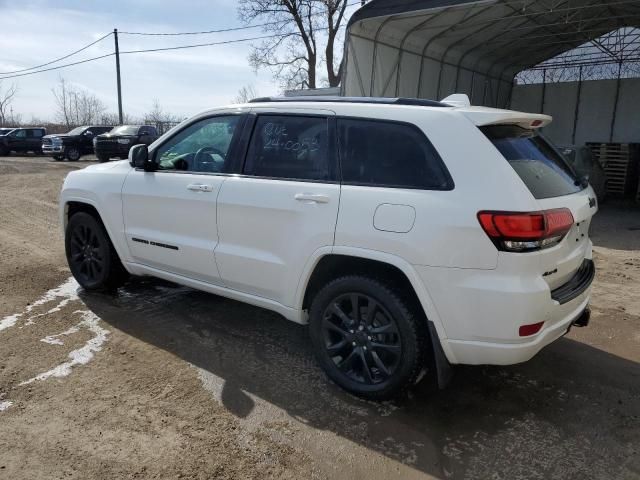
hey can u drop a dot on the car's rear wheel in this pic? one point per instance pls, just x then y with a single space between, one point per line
92 259
73 154
367 338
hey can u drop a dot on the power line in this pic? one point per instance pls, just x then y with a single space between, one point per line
60 66
196 45
57 59
18 73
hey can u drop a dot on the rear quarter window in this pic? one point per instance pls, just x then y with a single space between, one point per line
389 154
542 169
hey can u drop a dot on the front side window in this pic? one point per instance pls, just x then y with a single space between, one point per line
202 147
291 147
389 154
20 134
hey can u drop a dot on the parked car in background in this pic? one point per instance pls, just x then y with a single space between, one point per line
409 234
74 144
22 140
119 140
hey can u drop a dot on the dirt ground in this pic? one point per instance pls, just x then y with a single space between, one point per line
161 381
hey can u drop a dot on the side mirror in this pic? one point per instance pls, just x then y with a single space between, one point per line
139 158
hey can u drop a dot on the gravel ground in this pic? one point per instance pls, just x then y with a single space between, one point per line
161 381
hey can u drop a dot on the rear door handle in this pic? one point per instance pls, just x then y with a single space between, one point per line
312 198
200 187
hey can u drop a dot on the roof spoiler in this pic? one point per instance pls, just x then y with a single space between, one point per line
483 116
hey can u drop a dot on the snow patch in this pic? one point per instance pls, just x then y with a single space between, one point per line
67 292
55 340
82 355
4 405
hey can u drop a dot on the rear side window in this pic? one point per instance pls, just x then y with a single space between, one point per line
543 170
389 154
292 147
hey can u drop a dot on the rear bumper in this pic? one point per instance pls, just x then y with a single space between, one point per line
481 311
484 353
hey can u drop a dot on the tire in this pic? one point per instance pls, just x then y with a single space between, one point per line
4 152
395 335
58 158
90 254
73 154
103 158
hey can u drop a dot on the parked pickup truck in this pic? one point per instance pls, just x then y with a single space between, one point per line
21 140
74 144
118 142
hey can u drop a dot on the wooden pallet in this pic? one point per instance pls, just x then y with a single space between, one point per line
620 164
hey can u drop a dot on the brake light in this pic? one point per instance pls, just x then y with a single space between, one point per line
526 231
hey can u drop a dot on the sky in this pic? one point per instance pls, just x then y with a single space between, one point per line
184 81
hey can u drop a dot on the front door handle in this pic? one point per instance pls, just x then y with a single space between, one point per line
200 187
311 198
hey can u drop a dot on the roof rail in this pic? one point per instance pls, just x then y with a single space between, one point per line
419 102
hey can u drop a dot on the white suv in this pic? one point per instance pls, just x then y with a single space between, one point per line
409 234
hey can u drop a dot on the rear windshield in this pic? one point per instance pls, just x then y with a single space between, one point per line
543 170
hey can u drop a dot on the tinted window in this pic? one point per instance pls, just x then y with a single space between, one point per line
539 165
201 147
20 133
389 154
36 133
147 130
289 147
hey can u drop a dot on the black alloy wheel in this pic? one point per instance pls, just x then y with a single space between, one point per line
92 259
361 338
370 340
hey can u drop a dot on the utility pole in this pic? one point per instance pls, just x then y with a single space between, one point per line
115 37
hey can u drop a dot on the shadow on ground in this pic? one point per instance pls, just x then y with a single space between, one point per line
572 412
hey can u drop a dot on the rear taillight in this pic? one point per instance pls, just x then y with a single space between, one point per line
525 232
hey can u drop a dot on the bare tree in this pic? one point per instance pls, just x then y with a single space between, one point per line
76 106
245 94
158 115
299 27
7 95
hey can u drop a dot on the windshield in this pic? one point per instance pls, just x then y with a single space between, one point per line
4 131
125 130
76 131
543 170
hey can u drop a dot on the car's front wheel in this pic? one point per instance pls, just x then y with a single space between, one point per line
92 259
73 154
367 338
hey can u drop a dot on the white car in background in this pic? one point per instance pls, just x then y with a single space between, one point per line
409 234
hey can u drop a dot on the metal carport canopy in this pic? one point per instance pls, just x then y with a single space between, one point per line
432 48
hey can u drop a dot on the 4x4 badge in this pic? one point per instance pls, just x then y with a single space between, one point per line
592 202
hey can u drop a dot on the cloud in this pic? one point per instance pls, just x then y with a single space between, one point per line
184 81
